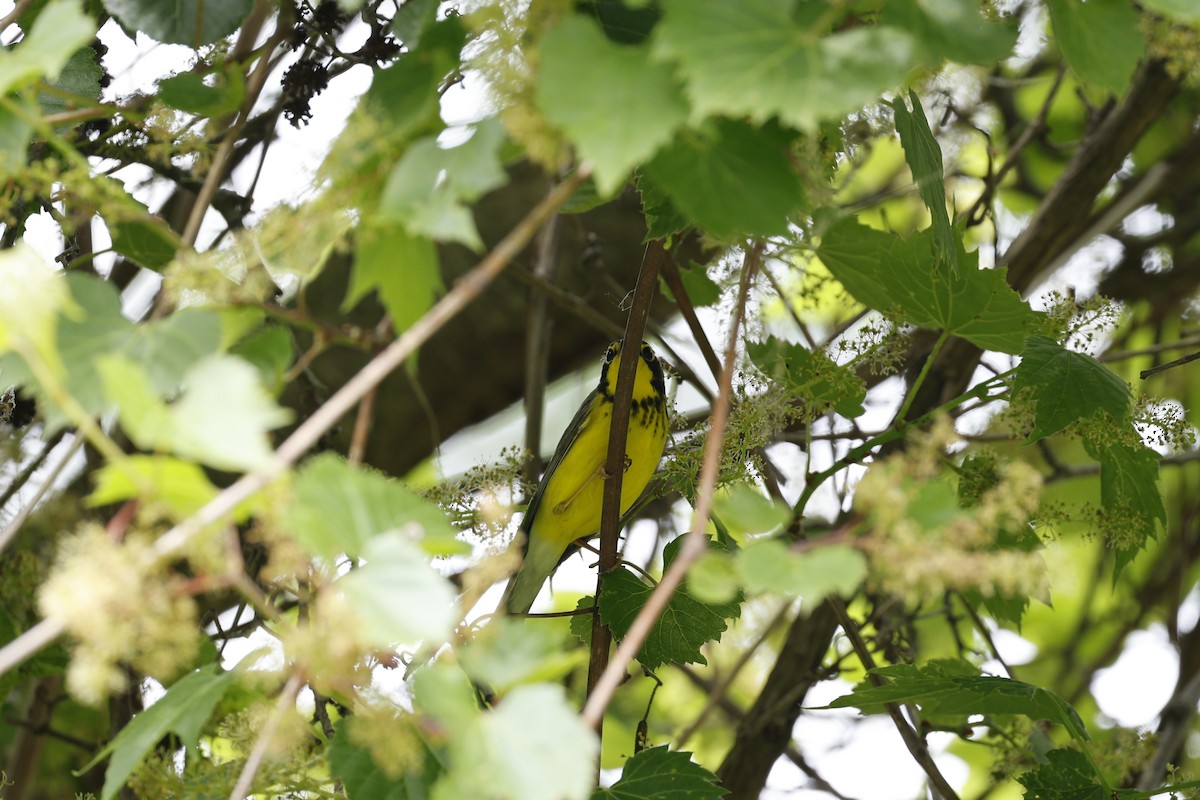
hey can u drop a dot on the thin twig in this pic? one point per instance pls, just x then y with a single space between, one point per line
285 704
325 417
915 744
15 14
695 541
614 464
1179 362
14 526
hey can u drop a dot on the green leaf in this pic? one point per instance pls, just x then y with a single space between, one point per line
34 295
48 46
1098 40
684 627
713 580
413 19
80 76
702 290
1129 494
616 106
339 508
755 59
884 272
181 486
147 242
533 746
15 133
508 652
221 419
810 376
924 157
1067 386
1066 775
768 565
188 22
730 179
397 595
444 694
745 509
663 219
664 775
1179 10
183 710
427 189
272 351
402 267
951 30
363 779
946 687
191 92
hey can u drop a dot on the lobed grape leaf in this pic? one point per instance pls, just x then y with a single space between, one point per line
617 107
1067 386
949 687
762 59
662 774
888 273
729 178
1065 775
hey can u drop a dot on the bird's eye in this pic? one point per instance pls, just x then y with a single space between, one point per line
647 352
611 354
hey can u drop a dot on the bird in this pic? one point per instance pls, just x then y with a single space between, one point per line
566 505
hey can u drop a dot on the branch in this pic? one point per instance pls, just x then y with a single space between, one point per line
614 463
286 703
695 542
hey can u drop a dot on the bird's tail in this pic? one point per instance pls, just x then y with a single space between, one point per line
541 558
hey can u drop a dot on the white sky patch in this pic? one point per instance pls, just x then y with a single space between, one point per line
1134 689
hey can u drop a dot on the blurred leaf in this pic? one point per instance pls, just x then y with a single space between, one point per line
1066 774
442 692
339 508
413 19
80 76
271 350
187 22
951 30
730 179
183 710
952 687
221 420
885 272
702 291
810 376
427 189
193 93
15 133
755 59
742 507
713 580
33 298
1179 10
662 774
402 267
508 652
924 157
363 779
1067 386
181 486
769 565
616 106
398 595
147 242
1096 40
533 746
47 47
663 219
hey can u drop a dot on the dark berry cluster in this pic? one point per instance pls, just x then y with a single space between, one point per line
303 81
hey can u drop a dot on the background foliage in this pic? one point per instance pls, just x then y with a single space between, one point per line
924 269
